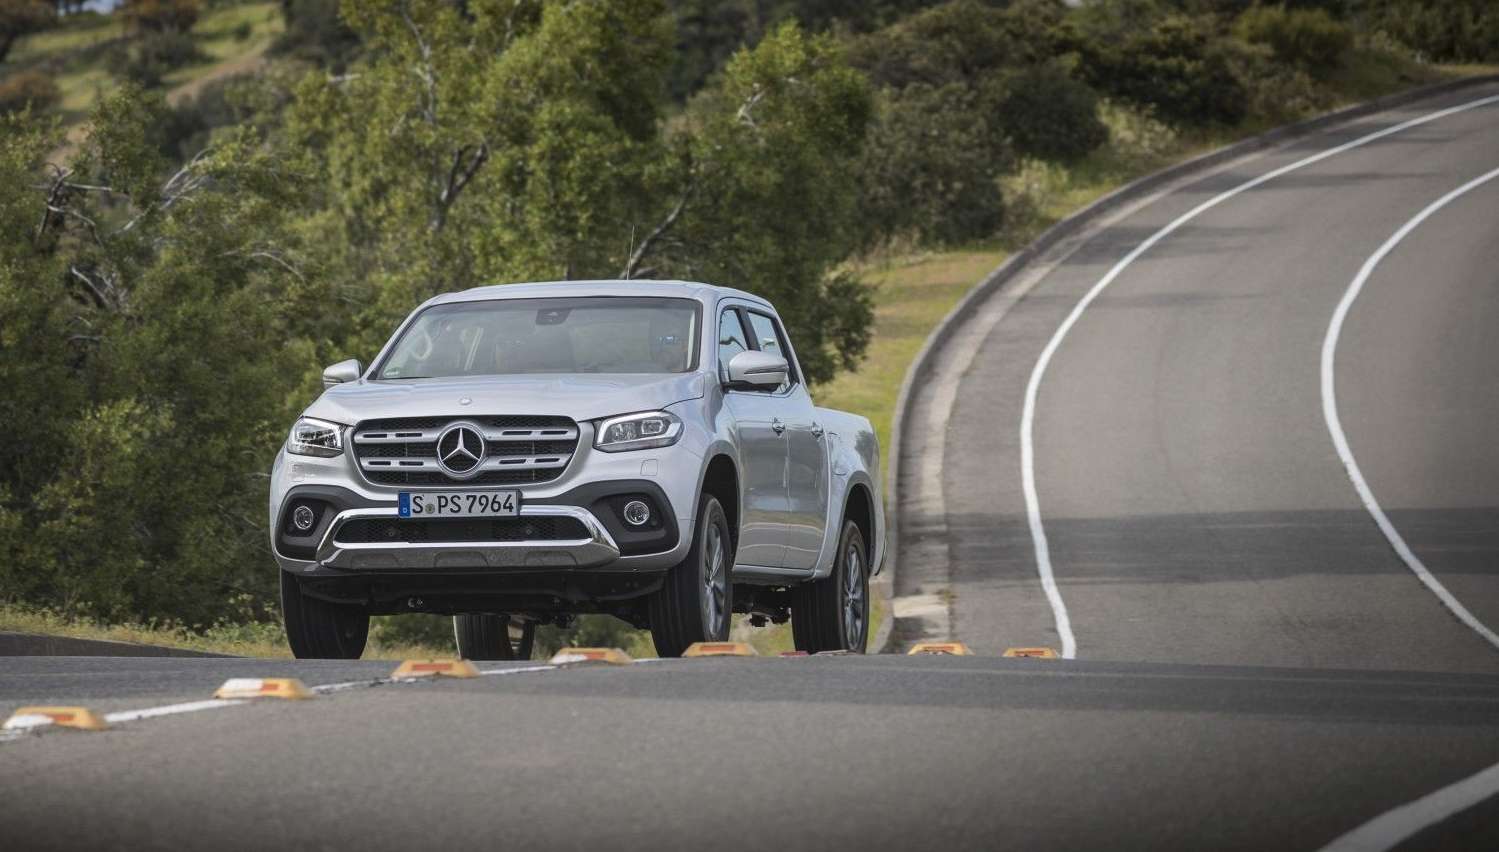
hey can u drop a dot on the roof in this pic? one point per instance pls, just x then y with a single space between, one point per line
617 287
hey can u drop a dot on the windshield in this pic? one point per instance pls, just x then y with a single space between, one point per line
596 334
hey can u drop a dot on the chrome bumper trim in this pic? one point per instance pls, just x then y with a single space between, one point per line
597 549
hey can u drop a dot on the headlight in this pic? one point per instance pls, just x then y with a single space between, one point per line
638 432
313 437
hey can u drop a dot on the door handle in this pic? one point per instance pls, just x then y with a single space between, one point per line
817 430
777 426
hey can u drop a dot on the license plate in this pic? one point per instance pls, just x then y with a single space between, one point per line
459 504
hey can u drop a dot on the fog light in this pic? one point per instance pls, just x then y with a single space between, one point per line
637 513
302 518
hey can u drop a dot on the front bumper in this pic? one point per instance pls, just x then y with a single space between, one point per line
595 547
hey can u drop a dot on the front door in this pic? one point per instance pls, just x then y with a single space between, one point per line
761 433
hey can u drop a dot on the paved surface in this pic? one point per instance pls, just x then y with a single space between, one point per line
1257 670
807 753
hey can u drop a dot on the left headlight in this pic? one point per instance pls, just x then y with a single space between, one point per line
638 431
313 437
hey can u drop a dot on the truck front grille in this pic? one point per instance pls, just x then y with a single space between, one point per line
518 450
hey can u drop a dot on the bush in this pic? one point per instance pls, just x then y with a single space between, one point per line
932 165
28 89
316 33
160 16
1176 67
1307 38
148 59
1444 30
1050 116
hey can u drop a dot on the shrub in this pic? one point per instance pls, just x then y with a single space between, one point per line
28 88
151 57
1276 91
160 16
1050 116
1307 38
316 33
1176 67
932 165
1444 31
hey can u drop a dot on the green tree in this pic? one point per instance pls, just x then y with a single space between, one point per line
22 17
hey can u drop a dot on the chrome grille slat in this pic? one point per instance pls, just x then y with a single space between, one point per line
519 450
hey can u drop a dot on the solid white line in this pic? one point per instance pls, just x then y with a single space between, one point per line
1033 387
1335 425
171 710
1390 829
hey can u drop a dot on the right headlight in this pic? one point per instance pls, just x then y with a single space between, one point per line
641 431
313 437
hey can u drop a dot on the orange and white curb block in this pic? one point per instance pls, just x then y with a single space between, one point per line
263 687
720 649
434 668
1032 653
951 649
82 718
613 656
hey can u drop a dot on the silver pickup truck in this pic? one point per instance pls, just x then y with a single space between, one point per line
520 454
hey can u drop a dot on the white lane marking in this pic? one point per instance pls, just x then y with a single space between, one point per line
1033 387
171 710
1335 425
1389 829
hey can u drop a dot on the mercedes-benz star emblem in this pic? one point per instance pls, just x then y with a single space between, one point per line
460 449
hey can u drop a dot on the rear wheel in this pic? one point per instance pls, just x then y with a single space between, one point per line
317 629
487 637
696 599
832 614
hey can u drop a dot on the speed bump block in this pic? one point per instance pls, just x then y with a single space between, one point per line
81 718
434 668
955 649
1033 653
614 656
263 687
720 649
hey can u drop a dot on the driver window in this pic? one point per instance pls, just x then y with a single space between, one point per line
768 339
731 339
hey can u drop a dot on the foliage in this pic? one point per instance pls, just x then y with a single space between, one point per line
20 17
1442 30
1307 38
160 16
933 165
315 33
28 89
1174 65
146 60
1049 115
150 325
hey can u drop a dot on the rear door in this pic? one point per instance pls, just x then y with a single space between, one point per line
760 431
807 484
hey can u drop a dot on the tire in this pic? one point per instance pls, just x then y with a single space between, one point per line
317 629
483 637
696 601
832 614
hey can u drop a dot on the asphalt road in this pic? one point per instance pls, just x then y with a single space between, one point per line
1256 666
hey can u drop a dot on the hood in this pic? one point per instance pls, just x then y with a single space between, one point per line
581 397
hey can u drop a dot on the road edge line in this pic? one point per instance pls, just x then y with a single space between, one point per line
1393 827
1008 271
1328 376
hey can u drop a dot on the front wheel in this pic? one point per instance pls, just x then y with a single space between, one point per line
695 601
482 636
832 614
317 629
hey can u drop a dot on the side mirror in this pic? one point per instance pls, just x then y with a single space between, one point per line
757 369
343 371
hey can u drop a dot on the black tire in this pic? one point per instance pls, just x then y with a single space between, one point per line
483 637
319 630
832 614
684 610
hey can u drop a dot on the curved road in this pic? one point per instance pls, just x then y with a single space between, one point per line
1257 667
